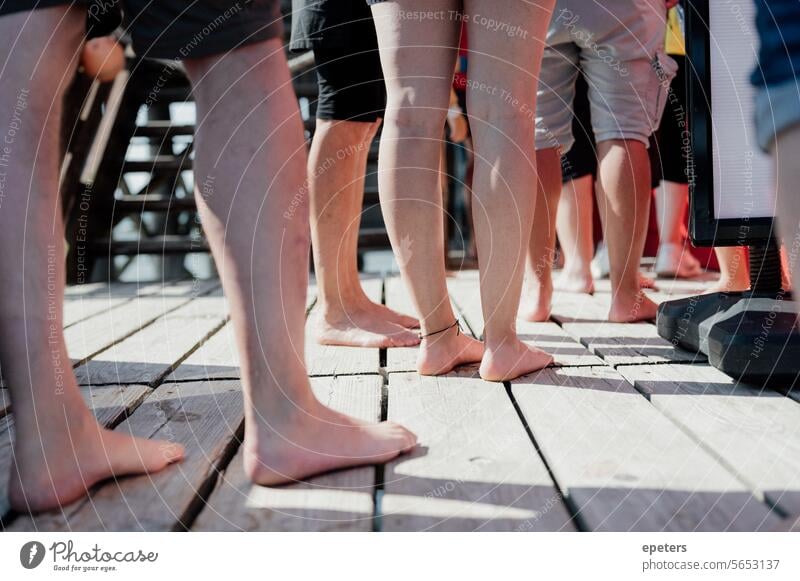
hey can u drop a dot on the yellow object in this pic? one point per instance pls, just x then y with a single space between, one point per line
674 43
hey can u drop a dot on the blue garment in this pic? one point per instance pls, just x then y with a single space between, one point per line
777 106
778 23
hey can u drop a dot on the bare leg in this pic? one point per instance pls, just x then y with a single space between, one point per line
786 171
538 293
502 122
345 315
574 225
674 257
250 146
624 192
418 58
734 271
60 450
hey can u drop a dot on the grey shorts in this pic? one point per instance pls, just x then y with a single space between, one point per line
619 46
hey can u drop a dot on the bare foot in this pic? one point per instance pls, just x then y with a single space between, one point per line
511 360
630 309
55 474
385 313
729 286
444 352
536 303
646 282
313 441
361 328
575 282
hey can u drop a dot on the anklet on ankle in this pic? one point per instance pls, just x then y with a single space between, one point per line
447 328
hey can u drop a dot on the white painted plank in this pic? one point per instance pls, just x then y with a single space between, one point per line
754 432
626 343
623 464
475 469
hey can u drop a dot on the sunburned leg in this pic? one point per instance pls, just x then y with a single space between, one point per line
734 270
505 178
60 450
624 198
344 315
537 294
787 173
250 146
674 258
574 225
418 59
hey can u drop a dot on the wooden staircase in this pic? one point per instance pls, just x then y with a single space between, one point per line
126 180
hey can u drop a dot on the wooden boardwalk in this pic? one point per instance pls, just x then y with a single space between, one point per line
623 432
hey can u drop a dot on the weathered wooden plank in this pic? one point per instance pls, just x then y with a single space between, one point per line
216 358
623 464
148 355
575 307
83 305
340 501
311 293
756 433
336 360
206 417
475 469
108 403
79 308
93 335
565 349
626 344
184 288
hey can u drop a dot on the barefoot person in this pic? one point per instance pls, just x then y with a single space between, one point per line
620 48
419 45
249 139
574 220
674 258
352 97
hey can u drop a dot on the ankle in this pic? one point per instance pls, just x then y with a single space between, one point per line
499 339
446 332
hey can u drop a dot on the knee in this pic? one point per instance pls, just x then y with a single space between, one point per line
412 118
349 132
517 123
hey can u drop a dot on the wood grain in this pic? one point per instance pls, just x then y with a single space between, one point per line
627 344
148 355
475 469
756 433
205 417
623 464
109 403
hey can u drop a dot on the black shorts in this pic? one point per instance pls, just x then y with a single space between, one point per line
342 35
176 29
668 143
351 86
581 159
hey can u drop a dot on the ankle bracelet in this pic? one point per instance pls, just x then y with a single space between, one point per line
447 328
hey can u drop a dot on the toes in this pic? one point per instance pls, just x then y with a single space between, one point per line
407 438
172 452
